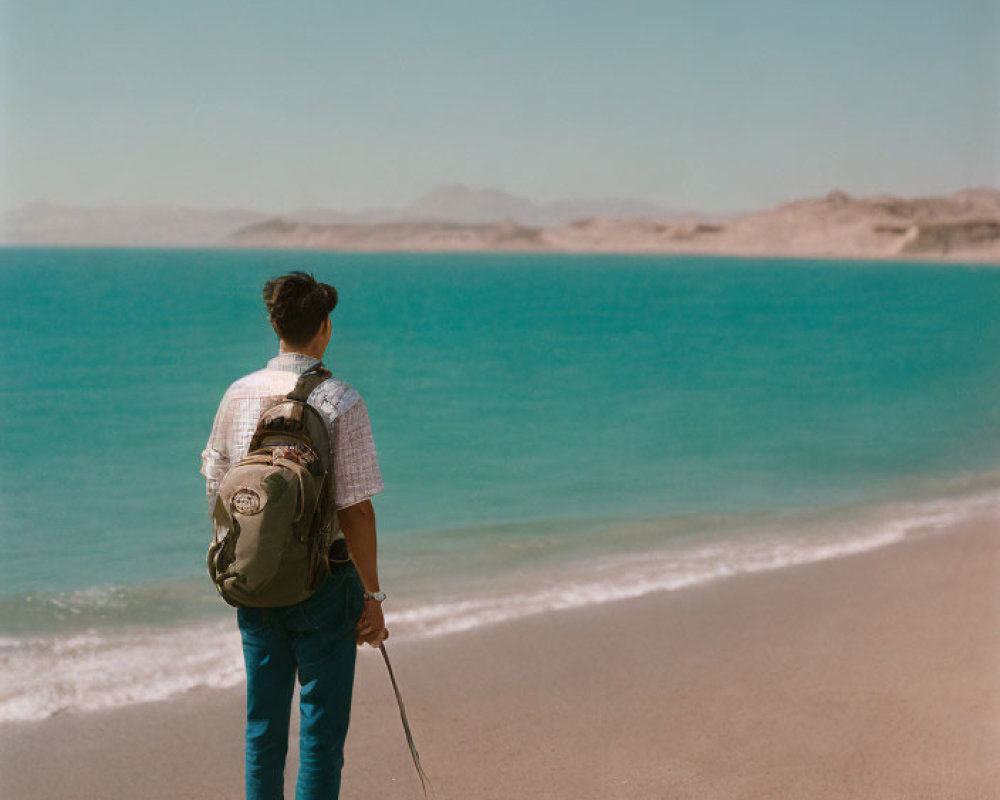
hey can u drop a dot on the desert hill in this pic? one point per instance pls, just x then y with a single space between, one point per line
964 225
180 226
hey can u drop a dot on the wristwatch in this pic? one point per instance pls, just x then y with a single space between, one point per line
376 596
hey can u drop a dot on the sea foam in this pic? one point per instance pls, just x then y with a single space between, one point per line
104 667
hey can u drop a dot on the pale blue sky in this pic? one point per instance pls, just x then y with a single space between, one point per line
713 105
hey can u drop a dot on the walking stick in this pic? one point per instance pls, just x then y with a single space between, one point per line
425 782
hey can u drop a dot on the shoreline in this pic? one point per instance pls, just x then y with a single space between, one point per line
961 259
770 684
133 645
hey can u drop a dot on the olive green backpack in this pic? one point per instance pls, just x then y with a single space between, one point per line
272 523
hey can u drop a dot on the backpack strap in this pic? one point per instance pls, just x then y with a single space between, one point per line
308 381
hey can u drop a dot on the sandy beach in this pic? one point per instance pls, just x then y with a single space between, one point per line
875 675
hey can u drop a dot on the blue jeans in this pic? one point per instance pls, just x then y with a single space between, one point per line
317 638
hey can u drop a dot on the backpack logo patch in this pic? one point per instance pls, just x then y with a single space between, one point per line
246 502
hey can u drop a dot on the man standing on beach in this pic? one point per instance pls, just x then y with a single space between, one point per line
318 637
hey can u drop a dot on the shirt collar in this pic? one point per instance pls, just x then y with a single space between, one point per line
292 362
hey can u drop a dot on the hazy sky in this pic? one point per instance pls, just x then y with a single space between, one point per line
708 105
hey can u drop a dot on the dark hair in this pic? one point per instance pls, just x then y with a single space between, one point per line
297 305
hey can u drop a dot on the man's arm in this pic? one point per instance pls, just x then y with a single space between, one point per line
357 478
215 459
358 524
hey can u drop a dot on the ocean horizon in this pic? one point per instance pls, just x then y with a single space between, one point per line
554 431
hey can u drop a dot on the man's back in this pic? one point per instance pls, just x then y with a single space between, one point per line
355 464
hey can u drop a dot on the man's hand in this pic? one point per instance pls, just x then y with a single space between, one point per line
371 627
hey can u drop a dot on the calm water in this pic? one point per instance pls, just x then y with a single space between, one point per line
598 425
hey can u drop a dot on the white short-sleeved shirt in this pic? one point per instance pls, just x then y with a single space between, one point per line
356 473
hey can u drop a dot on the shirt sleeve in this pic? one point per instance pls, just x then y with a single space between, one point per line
215 458
356 472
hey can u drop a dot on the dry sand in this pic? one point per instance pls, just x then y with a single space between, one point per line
870 676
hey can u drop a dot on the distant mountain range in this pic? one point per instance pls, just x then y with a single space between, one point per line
180 226
964 225
122 226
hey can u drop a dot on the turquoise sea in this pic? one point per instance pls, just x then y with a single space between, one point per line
553 431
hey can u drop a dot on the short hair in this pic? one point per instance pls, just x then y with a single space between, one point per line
297 305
